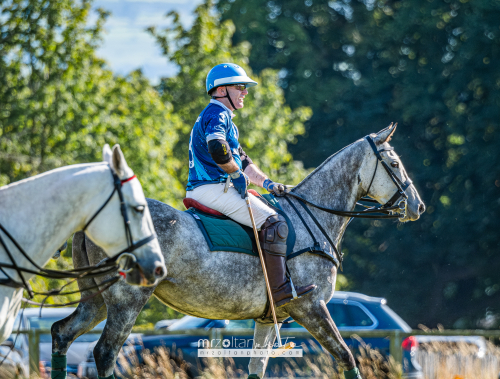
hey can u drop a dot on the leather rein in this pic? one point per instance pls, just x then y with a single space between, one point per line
106 266
385 211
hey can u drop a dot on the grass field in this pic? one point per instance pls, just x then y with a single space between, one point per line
438 360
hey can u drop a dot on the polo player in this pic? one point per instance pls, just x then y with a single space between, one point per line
215 154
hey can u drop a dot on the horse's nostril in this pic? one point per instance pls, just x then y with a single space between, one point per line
421 208
159 272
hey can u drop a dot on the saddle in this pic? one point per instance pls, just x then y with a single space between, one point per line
225 234
192 203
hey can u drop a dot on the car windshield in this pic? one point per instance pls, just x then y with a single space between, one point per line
359 317
189 322
349 315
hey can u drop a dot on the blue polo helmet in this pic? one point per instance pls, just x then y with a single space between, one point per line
227 74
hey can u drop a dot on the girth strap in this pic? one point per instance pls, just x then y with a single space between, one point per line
316 248
316 251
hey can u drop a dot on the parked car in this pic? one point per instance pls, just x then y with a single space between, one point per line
350 311
34 318
164 324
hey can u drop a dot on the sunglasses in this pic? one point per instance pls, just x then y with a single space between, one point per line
240 87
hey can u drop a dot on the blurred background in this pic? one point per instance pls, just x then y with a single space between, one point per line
75 74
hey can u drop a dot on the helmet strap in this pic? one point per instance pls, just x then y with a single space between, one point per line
227 95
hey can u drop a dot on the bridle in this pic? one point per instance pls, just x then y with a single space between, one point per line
400 185
385 211
127 252
106 266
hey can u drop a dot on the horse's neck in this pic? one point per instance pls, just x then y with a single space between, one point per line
335 185
42 212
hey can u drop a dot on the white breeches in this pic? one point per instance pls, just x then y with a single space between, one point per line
231 204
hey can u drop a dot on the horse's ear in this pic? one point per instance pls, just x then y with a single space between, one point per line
106 154
386 134
119 164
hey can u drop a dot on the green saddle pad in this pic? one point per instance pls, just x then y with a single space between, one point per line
224 234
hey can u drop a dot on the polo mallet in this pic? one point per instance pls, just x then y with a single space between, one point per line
290 345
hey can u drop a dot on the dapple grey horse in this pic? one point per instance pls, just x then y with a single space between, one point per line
225 285
41 212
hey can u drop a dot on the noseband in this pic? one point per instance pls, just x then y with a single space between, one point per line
105 267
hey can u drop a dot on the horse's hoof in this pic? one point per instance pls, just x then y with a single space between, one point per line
352 374
253 376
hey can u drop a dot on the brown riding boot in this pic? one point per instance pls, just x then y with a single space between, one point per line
272 236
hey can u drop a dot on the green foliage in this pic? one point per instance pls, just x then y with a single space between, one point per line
431 66
61 104
155 311
265 116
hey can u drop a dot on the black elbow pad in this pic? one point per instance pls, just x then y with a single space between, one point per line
245 159
220 151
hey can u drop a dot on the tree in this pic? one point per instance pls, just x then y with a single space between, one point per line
429 65
60 104
265 116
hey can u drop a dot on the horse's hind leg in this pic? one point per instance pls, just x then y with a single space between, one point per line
264 335
316 319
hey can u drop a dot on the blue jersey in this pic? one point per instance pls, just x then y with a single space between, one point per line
215 122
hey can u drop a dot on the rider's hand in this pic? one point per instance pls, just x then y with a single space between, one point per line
240 182
277 188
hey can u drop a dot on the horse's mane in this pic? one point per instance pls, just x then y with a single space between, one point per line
324 163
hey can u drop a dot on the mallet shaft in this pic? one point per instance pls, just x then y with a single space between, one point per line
268 286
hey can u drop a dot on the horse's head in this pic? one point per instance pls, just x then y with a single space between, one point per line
384 177
125 225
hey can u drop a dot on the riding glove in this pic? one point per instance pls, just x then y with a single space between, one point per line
240 182
277 188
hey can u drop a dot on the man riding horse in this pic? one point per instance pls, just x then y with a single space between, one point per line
216 156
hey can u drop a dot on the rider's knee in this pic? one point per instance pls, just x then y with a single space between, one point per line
274 233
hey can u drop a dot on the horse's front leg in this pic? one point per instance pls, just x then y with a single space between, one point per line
85 317
124 303
316 319
263 336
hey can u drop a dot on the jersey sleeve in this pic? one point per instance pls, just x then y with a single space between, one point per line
216 126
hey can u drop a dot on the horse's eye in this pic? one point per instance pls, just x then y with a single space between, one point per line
139 208
395 164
